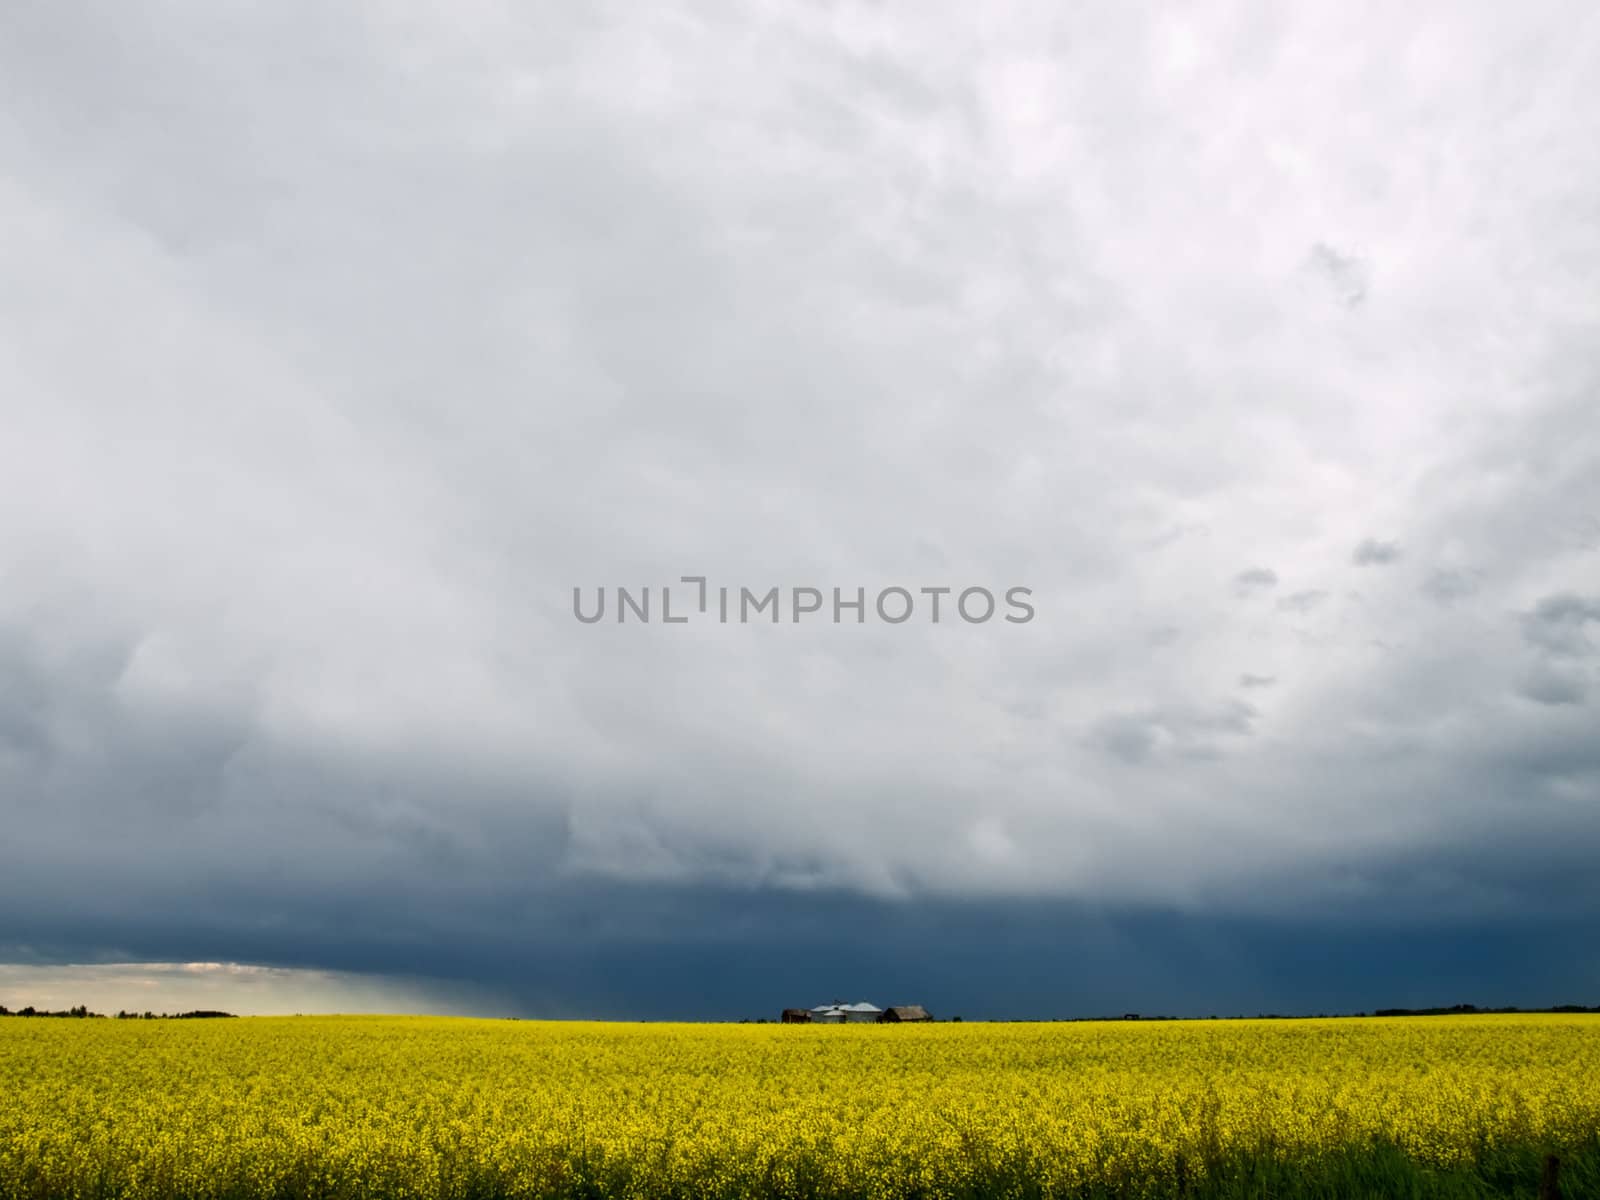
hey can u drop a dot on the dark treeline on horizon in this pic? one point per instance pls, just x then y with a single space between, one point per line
82 1010
1442 1011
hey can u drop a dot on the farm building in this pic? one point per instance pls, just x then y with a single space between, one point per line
899 1014
796 1016
841 1014
860 1012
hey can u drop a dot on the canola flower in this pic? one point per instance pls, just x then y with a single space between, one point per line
431 1107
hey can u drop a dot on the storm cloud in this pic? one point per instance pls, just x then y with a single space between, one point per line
340 344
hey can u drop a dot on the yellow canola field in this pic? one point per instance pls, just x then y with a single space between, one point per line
425 1107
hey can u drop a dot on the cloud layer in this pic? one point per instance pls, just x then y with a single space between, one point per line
339 347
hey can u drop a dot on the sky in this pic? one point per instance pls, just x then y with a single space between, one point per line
349 352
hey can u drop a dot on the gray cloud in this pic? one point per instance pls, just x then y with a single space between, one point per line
1256 577
1372 552
1557 624
1346 275
1302 602
1257 681
1175 732
330 367
1448 586
1547 685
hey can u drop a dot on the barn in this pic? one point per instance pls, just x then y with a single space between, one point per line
796 1016
900 1014
859 1013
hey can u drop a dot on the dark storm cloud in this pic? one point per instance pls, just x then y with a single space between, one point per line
702 954
340 345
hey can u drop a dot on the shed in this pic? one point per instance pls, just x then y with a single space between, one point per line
899 1014
796 1016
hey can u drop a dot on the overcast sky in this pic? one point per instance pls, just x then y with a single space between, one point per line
340 343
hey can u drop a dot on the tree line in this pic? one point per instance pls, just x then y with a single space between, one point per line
82 1010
